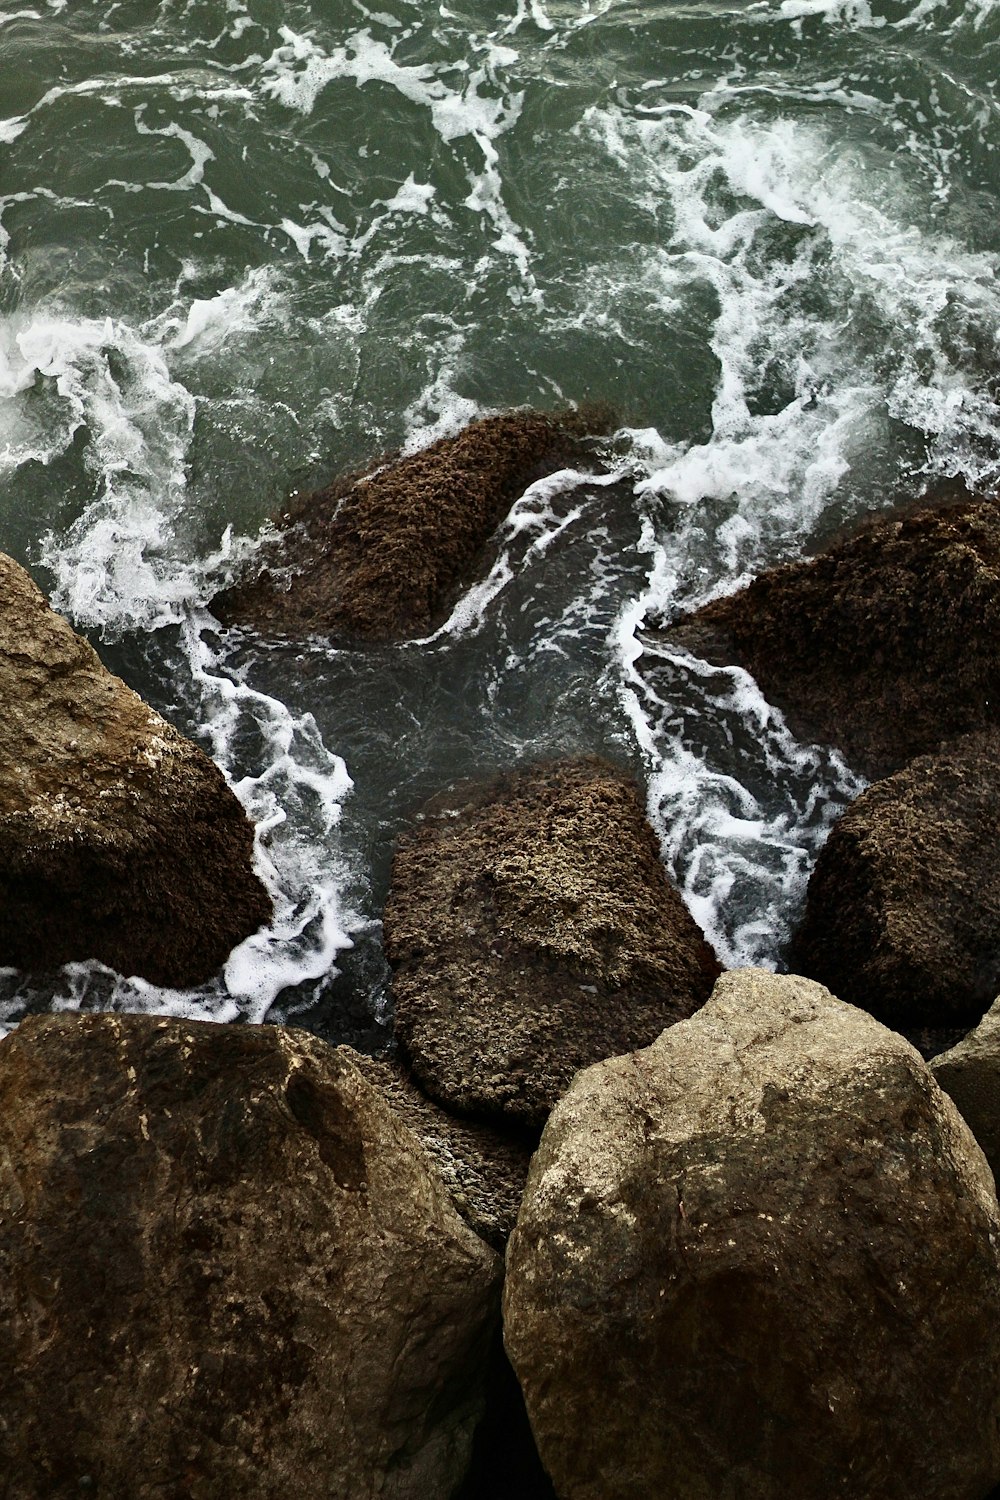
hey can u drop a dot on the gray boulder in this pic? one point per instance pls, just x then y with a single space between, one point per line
531 930
759 1259
226 1269
119 839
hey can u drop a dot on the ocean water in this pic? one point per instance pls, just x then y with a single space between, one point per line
245 245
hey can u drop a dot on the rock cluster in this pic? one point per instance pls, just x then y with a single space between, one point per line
380 555
226 1268
531 930
759 1259
119 839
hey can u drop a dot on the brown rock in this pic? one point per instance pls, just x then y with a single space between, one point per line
119 839
226 1269
759 1259
885 645
969 1073
483 1168
381 555
532 933
903 907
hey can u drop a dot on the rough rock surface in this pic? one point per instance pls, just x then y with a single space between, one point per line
759 1259
483 1168
119 839
885 645
532 930
381 555
970 1074
903 908
226 1269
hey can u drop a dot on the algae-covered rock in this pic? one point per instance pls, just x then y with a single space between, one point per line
381 555
532 929
884 645
903 907
119 839
759 1259
226 1270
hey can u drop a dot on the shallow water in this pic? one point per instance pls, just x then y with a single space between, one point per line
246 245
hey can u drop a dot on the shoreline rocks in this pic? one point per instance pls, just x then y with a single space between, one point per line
119 838
531 929
226 1269
759 1258
885 645
903 907
381 555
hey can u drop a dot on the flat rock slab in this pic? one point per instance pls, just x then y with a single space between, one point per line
383 554
903 906
759 1259
483 1168
885 645
119 839
532 929
226 1269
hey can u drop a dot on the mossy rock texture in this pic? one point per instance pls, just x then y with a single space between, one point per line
119 838
757 1260
532 929
885 645
903 906
382 555
226 1269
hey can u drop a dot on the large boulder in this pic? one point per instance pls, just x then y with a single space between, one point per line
969 1073
884 645
382 555
531 930
119 839
226 1269
903 907
759 1259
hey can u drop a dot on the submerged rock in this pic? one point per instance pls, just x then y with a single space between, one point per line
119 839
885 645
903 907
759 1259
532 929
483 1168
226 1269
381 555
970 1074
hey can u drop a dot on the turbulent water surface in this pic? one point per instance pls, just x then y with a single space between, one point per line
245 244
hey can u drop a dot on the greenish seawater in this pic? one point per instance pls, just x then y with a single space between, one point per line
245 245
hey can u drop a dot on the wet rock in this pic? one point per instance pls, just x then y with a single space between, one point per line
226 1269
759 1258
532 929
970 1074
903 908
885 645
119 839
483 1168
382 555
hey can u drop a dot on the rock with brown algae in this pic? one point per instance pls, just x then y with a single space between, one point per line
381 555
